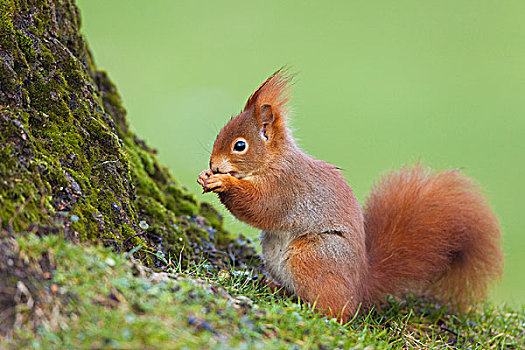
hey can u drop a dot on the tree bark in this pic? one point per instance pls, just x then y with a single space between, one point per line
68 160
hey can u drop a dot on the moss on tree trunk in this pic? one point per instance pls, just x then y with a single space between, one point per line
68 161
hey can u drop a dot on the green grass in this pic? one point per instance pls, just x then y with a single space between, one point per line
104 300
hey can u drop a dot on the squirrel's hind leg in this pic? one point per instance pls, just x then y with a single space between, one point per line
326 273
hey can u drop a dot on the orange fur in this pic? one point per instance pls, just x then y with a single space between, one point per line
274 91
422 232
322 276
434 232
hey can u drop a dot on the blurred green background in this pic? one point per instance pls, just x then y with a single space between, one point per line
380 84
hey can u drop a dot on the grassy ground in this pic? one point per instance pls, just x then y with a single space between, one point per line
90 297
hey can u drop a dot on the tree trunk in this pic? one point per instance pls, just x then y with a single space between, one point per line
68 161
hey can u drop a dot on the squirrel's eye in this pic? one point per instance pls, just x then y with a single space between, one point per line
239 146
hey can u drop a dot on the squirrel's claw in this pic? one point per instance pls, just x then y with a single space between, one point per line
213 182
201 180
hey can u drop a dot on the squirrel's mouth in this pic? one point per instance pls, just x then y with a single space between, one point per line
235 174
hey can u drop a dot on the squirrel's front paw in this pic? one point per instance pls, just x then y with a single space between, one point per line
217 183
203 176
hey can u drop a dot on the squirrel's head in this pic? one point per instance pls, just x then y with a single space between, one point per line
255 137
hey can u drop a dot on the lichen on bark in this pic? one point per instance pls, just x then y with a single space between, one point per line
68 160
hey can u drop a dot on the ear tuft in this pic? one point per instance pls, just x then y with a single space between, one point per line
272 95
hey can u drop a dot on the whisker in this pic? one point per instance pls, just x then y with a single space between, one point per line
204 148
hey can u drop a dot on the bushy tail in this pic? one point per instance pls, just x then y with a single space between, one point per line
432 233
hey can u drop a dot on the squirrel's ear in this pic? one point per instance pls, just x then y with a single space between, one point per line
269 100
266 114
267 118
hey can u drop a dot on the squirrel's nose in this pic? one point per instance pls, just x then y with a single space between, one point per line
219 165
214 167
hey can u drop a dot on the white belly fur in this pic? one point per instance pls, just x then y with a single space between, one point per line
274 247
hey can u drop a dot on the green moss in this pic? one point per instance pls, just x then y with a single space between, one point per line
212 215
7 9
47 58
68 160
145 184
153 210
180 201
25 44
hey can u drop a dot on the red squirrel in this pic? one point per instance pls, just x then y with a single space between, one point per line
421 232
